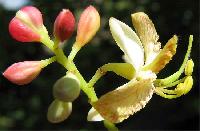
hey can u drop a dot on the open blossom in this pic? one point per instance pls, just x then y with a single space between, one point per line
22 73
26 25
64 25
144 53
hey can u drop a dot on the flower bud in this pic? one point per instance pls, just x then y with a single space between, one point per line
25 26
64 25
22 73
67 88
58 111
88 25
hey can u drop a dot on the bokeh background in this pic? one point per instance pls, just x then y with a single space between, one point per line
25 107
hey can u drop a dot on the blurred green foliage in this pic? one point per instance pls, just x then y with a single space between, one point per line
25 107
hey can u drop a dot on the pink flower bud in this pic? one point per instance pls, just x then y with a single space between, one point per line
88 25
22 73
26 24
34 14
21 32
64 25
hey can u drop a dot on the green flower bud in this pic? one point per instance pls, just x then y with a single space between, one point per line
58 111
67 88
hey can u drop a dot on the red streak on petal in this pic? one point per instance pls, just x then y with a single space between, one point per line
21 32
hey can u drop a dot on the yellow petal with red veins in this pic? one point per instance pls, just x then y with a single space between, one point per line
164 56
119 104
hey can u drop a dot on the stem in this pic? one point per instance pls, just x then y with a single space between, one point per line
99 73
47 42
110 126
48 61
74 51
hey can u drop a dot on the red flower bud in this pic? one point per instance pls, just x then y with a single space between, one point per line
88 25
64 25
22 73
26 24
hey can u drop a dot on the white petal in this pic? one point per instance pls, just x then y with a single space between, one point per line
93 115
128 42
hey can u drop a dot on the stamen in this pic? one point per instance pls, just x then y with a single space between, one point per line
175 76
160 93
181 89
185 87
189 67
172 84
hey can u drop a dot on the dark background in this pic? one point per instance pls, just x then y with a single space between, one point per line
25 107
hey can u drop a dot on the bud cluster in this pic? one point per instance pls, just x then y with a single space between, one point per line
27 26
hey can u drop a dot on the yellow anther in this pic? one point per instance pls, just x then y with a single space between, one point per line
189 67
188 84
184 88
180 89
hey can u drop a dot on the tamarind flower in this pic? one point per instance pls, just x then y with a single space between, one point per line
144 53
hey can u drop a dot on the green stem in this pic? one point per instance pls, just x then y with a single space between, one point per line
74 51
110 126
99 73
48 61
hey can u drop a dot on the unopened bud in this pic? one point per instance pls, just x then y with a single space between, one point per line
64 25
59 111
189 67
88 25
22 73
26 24
67 88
